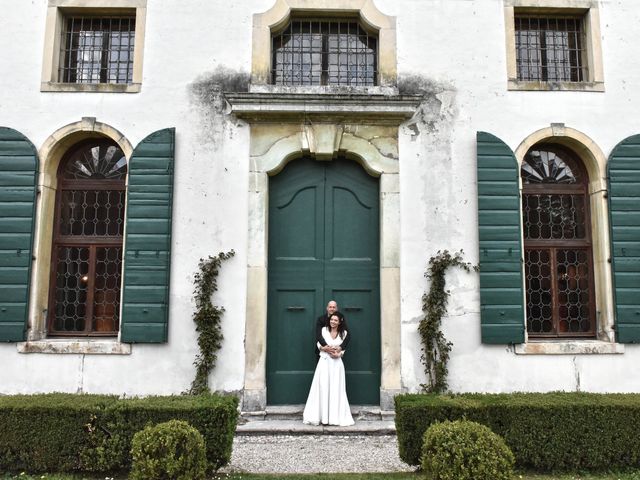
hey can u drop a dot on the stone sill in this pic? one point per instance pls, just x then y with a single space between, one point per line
323 90
569 347
373 108
556 86
90 87
87 347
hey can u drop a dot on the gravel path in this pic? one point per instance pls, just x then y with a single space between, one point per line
316 454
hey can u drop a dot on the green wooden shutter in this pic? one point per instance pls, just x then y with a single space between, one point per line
18 179
501 295
147 257
624 210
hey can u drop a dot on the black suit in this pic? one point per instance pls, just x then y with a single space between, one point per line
323 321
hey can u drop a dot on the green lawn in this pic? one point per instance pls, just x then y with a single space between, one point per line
351 476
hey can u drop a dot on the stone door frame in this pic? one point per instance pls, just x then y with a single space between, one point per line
375 147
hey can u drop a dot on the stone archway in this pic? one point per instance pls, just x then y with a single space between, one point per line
595 163
50 154
375 147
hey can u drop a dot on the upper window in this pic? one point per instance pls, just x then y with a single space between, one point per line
324 52
97 48
553 47
557 244
550 49
84 298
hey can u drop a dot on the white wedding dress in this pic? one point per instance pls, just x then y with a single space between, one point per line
327 402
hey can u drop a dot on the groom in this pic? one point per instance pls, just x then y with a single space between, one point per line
323 321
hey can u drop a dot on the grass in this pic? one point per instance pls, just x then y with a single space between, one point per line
631 475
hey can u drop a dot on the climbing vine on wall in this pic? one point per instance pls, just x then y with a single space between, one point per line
435 347
207 318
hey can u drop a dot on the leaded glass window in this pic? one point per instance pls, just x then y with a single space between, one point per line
324 52
88 232
557 244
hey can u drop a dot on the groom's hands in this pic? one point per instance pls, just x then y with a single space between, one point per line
334 352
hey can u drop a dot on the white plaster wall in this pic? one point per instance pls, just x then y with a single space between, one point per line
462 44
459 45
210 201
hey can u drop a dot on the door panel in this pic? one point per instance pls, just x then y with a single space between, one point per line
362 357
299 215
294 361
323 245
296 237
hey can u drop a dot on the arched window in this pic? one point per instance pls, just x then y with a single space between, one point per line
557 244
86 269
324 52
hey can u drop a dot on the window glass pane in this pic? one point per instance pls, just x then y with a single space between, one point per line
323 52
549 166
72 278
558 217
106 300
573 291
539 294
96 161
549 49
97 50
92 212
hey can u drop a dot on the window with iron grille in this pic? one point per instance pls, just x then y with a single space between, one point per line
97 49
550 49
86 268
557 244
324 52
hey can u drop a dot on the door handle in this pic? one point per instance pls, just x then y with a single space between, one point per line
295 309
353 309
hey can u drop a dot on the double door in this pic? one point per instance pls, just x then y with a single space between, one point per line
323 245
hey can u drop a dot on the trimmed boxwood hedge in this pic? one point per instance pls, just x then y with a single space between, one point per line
67 432
545 431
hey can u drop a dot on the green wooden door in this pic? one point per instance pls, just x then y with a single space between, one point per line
323 245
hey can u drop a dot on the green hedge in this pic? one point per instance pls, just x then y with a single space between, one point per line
552 431
66 432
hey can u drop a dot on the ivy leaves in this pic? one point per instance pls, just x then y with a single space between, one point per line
207 318
435 347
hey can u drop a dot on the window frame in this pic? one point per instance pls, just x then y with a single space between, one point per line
95 34
278 16
554 245
326 52
57 13
92 243
595 162
588 11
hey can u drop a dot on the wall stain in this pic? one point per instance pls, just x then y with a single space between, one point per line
416 84
433 128
209 88
206 93
437 108
80 389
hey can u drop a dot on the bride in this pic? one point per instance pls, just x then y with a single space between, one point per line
327 402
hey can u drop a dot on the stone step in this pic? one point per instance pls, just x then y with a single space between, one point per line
287 420
296 427
294 412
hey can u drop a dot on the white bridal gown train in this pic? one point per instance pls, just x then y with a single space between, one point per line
327 402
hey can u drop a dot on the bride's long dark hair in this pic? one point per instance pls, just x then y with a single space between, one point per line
342 326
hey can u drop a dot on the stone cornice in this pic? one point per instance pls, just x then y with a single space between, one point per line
375 109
